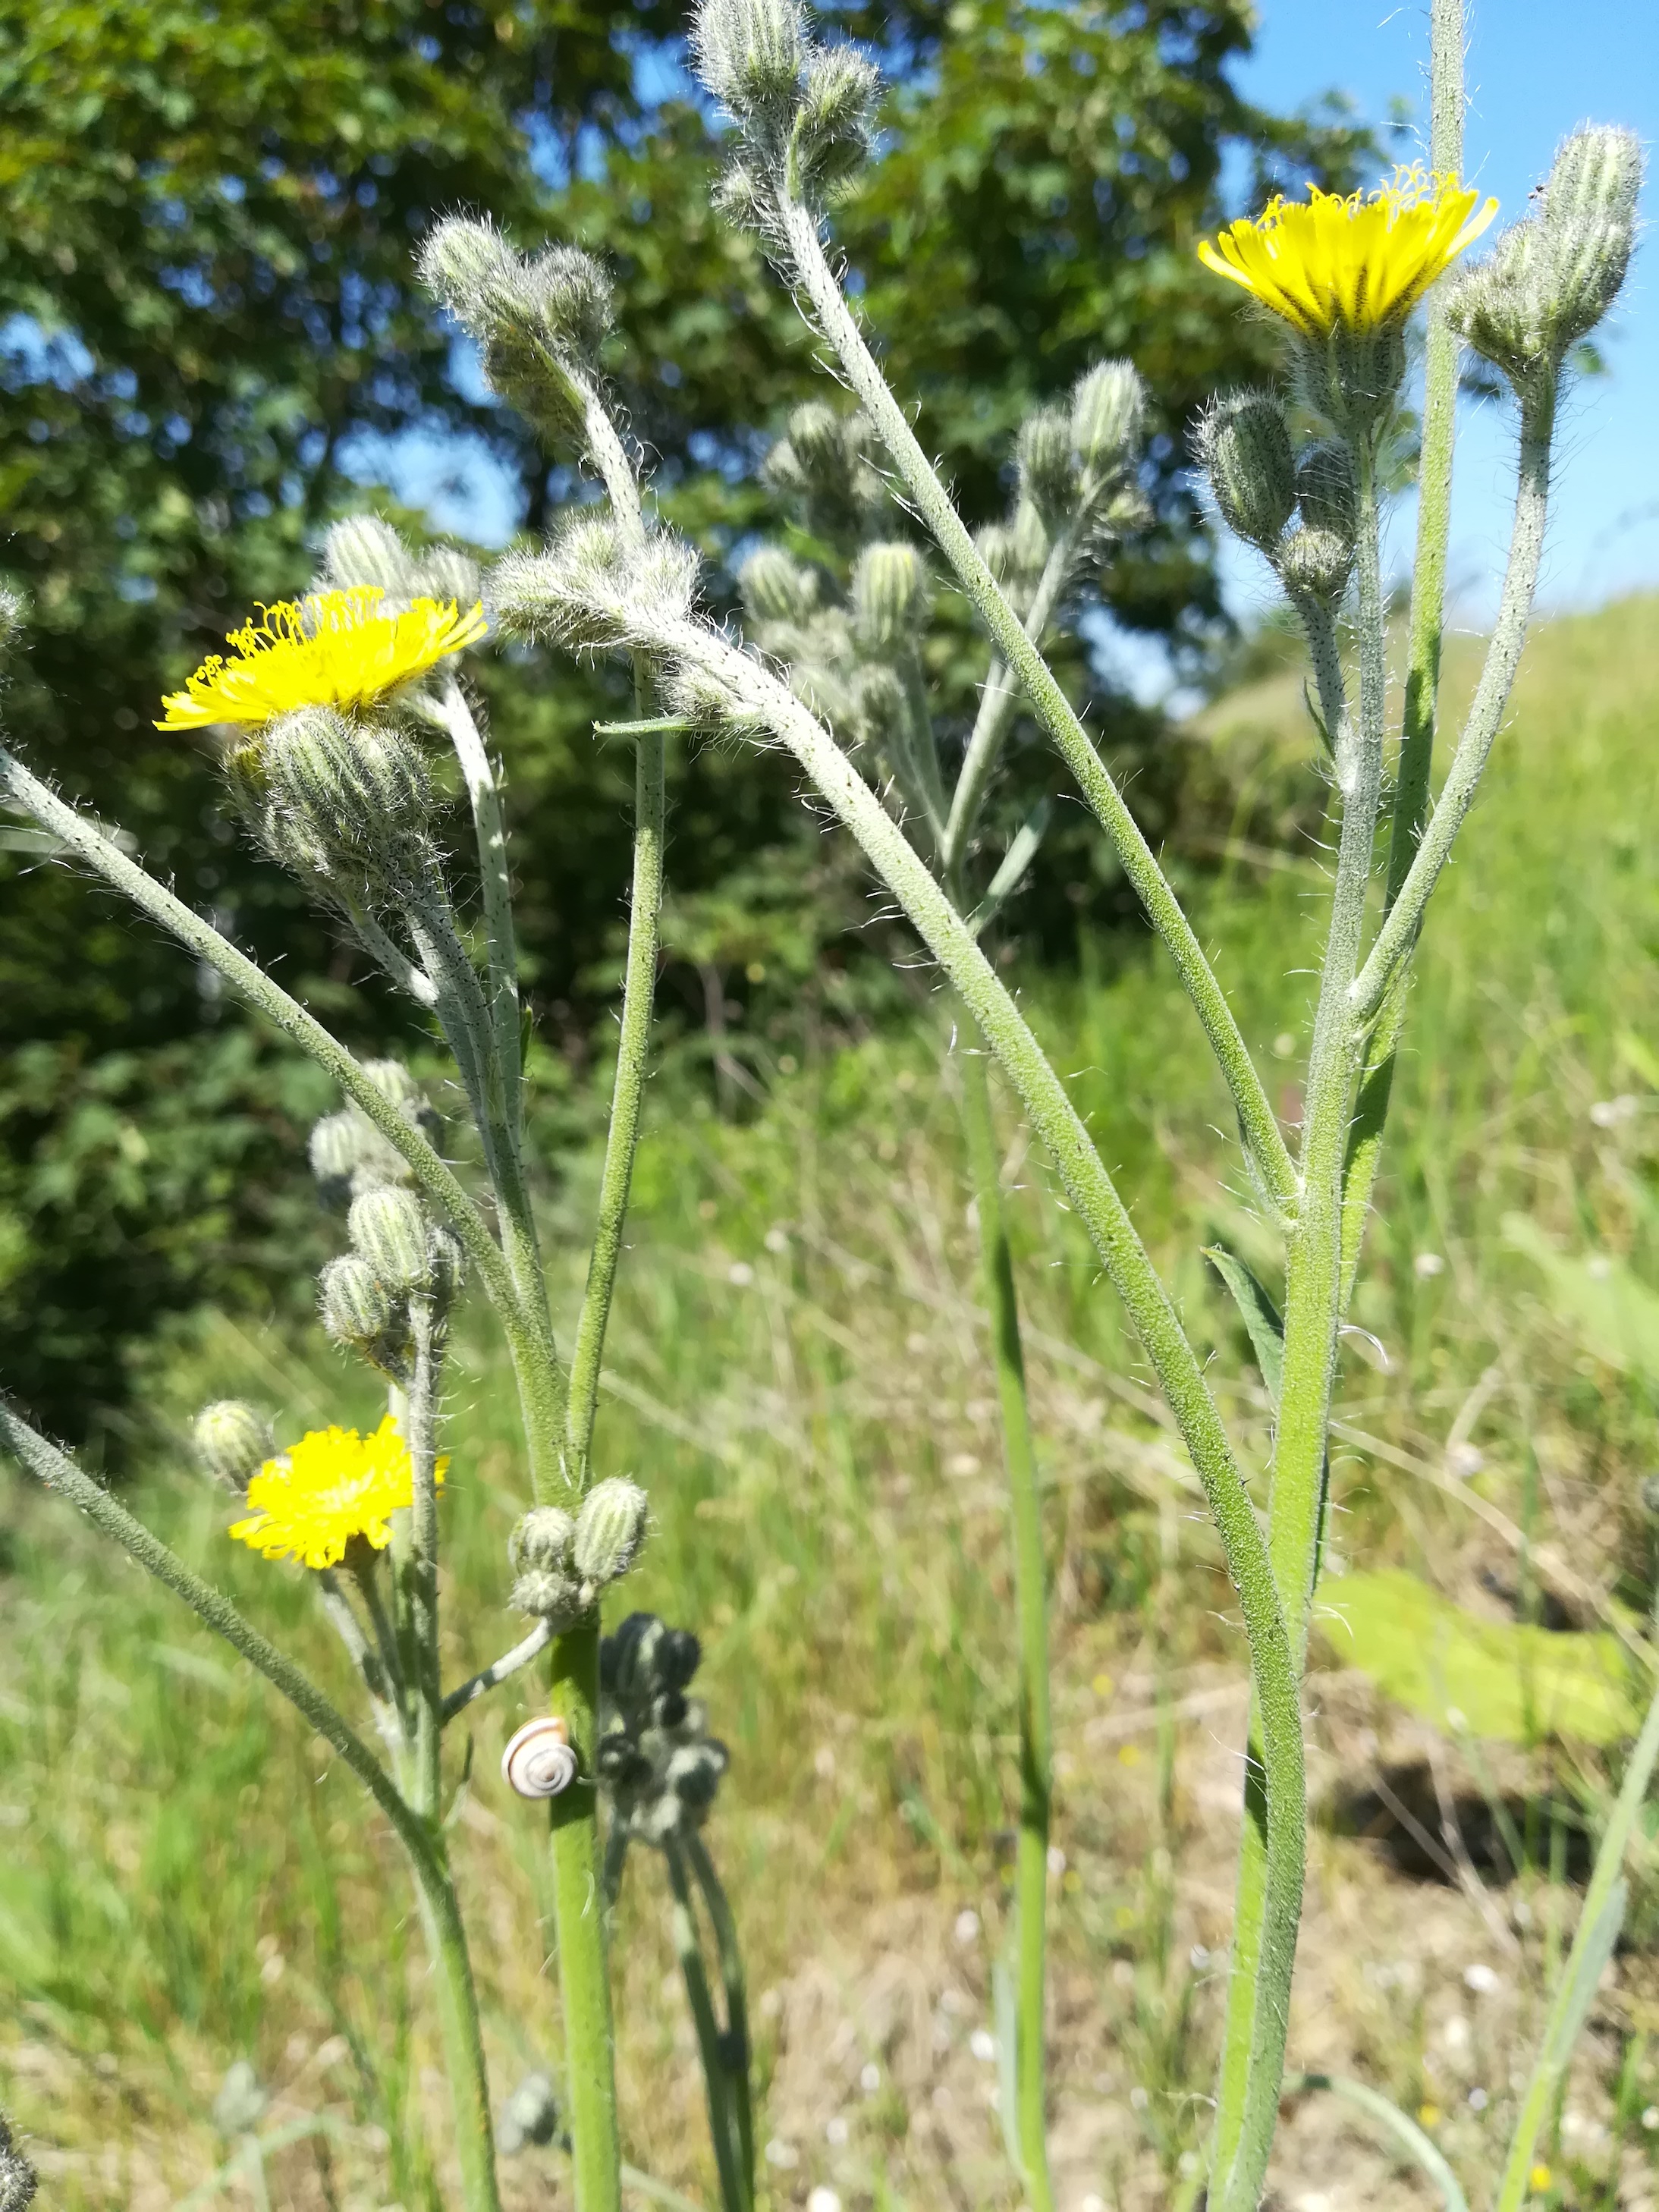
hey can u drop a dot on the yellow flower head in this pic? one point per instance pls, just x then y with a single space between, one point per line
331 1486
1360 263
330 649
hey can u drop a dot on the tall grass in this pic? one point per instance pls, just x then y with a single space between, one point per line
796 1372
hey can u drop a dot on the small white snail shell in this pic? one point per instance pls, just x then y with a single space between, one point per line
539 1762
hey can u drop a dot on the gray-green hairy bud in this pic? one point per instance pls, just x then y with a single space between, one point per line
1108 409
776 588
1315 564
821 466
891 596
610 1530
540 320
390 1229
589 591
543 1542
830 141
364 550
1326 491
357 1310
1597 175
1048 461
1244 444
231 1442
357 791
751 53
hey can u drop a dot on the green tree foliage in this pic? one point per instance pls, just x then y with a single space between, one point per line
210 339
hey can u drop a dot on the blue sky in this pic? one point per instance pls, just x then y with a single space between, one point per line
1535 68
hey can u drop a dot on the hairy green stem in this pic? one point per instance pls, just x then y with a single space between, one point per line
469 2085
735 2050
422 1568
579 1909
757 696
1260 1130
1031 1600
1398 931
1428 610
688 1950
627 1101
534 1367
496 884
1312 1277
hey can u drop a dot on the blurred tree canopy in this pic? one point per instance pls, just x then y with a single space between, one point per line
212 343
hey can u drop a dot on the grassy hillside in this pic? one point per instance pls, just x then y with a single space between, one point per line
797 1374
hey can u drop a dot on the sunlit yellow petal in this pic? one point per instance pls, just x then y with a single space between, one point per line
1359 263
331 1486
330 649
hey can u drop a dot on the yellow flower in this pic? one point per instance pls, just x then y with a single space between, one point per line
331 649
1359 263
331 1486
1540 2178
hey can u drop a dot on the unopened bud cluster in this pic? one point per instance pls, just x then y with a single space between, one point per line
656 1761
562 1563
399 1253
539 319
363 550
1262 487
591 591
1550 280
804 111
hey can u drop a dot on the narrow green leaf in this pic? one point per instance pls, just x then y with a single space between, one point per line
1258 1312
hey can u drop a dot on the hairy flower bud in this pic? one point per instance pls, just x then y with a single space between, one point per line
444 573
1315 564
891 596
231 1442
542 1541
1244 445
821 466
777 588
356 1309
538 319
1326 490
751 53
833 121
390 1229
1109 409
1048 462
610 1530
356 791
589 590
1597 171
364 550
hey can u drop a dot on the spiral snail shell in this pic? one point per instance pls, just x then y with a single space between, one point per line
539 1762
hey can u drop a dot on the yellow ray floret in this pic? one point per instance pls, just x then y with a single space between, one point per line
1359 263
331 1486
330 649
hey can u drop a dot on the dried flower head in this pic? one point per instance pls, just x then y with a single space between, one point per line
334 648
333 1486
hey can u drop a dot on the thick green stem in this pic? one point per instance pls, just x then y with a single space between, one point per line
688 1949
1428 610
1313 1277
1398 931
735 2051
580 1909
627 1101
468 2083
1030 1598
540 1388
422 1566
757 696
1260 1130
